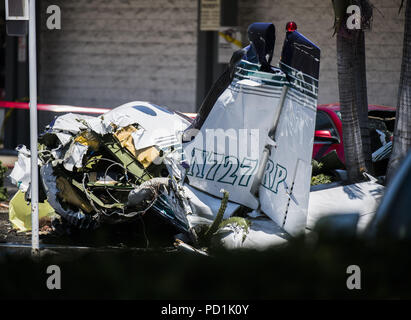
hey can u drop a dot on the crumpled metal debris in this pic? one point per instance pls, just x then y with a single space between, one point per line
108 168
119 167
140 159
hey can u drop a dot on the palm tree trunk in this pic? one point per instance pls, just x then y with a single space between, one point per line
402 131
353 149
362 98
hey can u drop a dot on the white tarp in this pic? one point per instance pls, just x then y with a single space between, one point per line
21 174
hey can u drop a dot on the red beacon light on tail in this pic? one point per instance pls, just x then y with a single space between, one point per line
291 26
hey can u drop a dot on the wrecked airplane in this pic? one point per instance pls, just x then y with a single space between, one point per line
238 175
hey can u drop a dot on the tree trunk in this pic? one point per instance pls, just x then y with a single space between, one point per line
402 132
347 83
362 98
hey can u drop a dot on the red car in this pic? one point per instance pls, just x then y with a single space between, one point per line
328 127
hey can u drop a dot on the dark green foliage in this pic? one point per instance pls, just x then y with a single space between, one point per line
298 271
320 174
320 179
3 190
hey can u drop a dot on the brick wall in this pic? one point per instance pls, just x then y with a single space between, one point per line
315 20
109 52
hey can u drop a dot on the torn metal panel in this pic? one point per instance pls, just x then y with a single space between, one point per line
89 139
94 200
74 156
148 156
175 163
75 217
149 116
69 195
361 198
64 138
142 139
262 234
205 207
126 158
172 205
124 136
70 122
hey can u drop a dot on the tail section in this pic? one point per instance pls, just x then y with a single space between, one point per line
256 141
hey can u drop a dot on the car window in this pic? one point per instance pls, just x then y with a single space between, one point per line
324 122
375 123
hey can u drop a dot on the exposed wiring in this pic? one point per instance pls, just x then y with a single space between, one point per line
105 177
142 212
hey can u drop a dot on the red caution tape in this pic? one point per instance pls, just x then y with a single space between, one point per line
63 108
53 107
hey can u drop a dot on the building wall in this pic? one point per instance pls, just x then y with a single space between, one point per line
109 52
315 20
